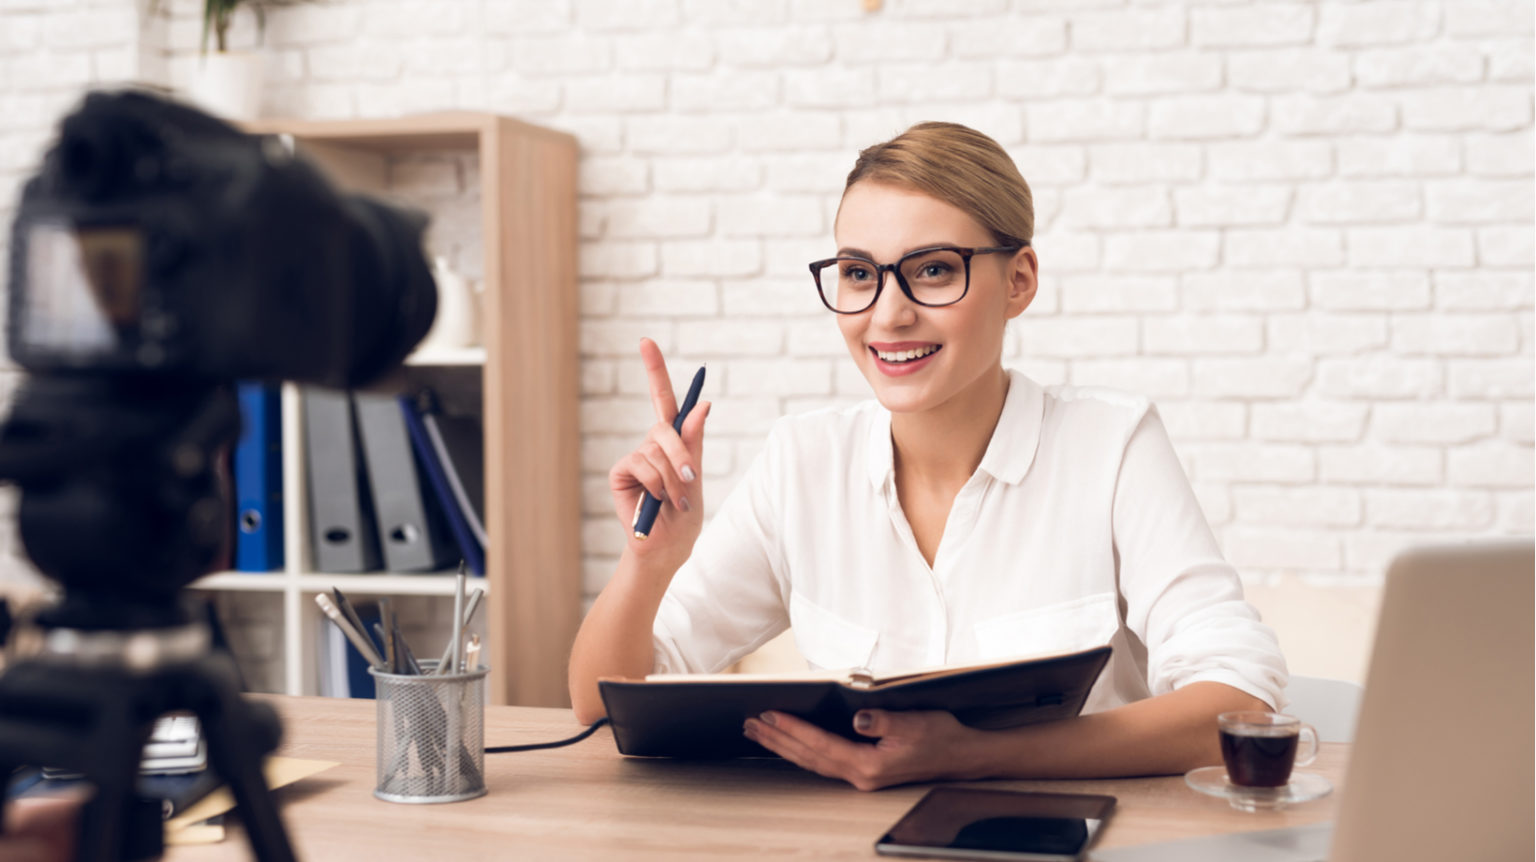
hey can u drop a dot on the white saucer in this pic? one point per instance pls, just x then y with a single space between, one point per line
1303 787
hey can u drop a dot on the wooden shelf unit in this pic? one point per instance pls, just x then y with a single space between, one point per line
529 392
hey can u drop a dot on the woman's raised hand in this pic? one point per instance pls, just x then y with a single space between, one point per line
668 465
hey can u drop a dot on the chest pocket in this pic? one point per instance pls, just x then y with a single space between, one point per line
827 640
1079 624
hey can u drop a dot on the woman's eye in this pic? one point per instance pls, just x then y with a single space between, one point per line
855 273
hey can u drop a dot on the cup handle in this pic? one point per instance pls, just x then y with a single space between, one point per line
1307 732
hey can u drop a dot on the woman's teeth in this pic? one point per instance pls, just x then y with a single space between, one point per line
906 355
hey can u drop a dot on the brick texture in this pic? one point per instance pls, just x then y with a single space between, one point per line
1305 228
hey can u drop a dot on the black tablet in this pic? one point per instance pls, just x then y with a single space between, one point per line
977 823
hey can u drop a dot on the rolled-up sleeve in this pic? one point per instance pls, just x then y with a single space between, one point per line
1183 599
728 598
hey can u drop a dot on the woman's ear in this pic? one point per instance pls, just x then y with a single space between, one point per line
1023 281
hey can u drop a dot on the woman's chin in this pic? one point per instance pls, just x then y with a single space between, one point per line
902 396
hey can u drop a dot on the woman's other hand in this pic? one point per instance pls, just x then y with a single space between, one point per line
910 746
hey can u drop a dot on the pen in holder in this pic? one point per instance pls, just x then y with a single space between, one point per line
431 735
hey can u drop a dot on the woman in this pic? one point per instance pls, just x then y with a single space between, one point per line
967 515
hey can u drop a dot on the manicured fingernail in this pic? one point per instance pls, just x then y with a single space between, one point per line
862 721
769 718
682 503
688 474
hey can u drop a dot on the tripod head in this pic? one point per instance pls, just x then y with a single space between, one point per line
123 497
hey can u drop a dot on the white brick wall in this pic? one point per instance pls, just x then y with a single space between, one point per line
1305 228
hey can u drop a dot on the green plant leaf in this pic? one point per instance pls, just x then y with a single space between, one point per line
219 14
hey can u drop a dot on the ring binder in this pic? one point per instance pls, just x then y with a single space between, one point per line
412 530
342 527
258 477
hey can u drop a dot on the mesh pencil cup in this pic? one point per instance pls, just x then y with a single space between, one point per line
431 735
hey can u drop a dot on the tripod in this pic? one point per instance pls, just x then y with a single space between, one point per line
88 703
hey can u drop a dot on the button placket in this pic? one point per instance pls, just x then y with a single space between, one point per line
961 522
938 614
958 529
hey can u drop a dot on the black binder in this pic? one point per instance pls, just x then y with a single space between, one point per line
341 521
411 526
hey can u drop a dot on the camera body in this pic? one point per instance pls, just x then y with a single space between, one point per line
158 257
159 240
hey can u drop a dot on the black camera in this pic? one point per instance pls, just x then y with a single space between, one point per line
159 256
160 240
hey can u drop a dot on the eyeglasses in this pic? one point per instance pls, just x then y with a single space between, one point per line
933 277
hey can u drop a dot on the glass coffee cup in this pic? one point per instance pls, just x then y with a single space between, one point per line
1261 748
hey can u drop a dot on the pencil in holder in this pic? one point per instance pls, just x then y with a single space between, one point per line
431 735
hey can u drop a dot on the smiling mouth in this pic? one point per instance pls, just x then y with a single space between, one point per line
897 357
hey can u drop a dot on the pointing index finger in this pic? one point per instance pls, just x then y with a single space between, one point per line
662 397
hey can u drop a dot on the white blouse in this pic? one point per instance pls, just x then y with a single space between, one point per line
1079 528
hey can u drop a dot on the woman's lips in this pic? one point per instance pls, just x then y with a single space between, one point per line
900 369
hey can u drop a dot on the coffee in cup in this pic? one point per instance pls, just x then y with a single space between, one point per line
1260 748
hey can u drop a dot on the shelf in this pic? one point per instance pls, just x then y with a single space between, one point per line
448 356
425 584
246 582
527 383
381 584
441 130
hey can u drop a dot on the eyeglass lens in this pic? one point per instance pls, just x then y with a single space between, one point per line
934 278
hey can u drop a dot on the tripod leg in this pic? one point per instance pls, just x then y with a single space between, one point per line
107 819
239 736
92 722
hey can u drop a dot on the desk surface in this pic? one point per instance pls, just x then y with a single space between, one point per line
588 802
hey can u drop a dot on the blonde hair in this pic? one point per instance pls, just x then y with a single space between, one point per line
960 166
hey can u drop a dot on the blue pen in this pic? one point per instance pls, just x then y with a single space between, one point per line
650 507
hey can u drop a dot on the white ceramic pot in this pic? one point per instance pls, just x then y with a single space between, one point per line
228 83
456 323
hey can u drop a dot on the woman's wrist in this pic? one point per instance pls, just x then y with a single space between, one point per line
980 754
655 568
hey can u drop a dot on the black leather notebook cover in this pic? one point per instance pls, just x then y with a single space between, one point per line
703 718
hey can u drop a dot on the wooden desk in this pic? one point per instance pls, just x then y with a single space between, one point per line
588 802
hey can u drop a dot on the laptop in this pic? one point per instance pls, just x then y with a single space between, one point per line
1443 755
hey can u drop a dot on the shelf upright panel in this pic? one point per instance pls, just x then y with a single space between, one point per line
295 536
531 406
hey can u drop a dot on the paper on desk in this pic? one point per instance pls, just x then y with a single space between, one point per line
197 833
279 771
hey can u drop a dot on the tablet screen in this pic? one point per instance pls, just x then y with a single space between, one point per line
963 822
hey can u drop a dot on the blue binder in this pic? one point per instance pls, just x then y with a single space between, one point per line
460 447
258 469
359 680
421 441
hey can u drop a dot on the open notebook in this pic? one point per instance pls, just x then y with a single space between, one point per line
701 715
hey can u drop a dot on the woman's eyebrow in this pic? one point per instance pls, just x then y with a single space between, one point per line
861 253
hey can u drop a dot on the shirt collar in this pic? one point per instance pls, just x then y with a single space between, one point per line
1010 452
1017 435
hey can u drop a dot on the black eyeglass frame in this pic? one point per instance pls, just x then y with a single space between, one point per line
895 269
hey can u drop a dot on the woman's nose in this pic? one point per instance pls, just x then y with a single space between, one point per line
892 307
